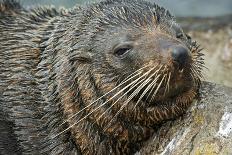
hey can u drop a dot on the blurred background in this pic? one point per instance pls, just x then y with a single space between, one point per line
209 22
202 8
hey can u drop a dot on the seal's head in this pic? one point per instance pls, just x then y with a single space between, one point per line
139 47
134 66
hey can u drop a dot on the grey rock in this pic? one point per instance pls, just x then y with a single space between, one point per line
205 129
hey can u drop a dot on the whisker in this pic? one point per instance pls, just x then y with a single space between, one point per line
145 91
151 90
130 98
121 97
142 80
97 108
197 72
148 87
123 82
165 82
153 85
125 104
101 105
193 78
157 88
167 88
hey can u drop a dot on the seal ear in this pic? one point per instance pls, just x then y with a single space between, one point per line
80 56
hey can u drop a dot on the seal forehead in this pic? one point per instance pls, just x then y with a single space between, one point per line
134 13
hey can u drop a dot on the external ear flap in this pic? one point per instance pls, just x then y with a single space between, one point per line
80 56
178 31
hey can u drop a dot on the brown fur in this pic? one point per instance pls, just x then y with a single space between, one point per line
58 69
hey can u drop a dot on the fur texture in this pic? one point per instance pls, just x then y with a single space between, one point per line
52 65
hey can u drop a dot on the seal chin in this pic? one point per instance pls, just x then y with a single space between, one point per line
170 102
164 95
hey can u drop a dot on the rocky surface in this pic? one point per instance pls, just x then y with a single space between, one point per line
206 128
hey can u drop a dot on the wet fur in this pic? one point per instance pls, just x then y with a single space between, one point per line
47 75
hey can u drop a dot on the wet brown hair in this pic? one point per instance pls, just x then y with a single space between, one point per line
95 79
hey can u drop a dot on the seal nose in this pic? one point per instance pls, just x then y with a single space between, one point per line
180 55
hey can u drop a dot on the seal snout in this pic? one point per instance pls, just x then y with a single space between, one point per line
180 55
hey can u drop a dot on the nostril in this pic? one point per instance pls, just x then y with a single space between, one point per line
180 55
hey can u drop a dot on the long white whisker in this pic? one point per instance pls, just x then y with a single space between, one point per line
148 87
157 88
167 83
154 84
100 106
124 105
130 98
104 95
121 97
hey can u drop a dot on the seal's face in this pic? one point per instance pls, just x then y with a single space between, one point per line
166 60
155 63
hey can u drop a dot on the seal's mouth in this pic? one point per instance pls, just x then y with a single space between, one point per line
164 93
171 95
162 90
164 85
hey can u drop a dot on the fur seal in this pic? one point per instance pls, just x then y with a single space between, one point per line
94 79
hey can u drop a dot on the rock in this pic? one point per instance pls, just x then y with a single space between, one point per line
205 129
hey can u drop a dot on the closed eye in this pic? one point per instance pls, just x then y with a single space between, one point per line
121 50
